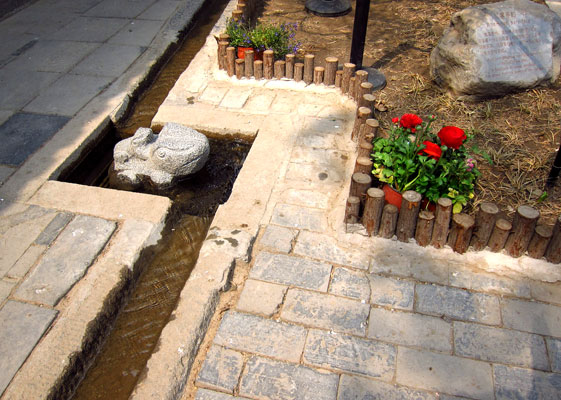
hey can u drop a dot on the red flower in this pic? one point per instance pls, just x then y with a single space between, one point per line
410 121
452 136
395 120
432 150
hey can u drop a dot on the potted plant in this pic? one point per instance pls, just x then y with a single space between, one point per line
414 158
239 36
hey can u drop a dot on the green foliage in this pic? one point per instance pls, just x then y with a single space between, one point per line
239 33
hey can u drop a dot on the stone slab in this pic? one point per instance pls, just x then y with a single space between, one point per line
205 394
245 332
261 297
496 345
213 94
278 238
89 29
407 263
346 353
540 318
410 329
444 373
299 217
67 260
457 304
350 283
306 198
490 283
159 11
137 33
120 9
52 230
290 270
358 388
259 102
26 261
18 87
318 174
519 383
391 292
236 97
5 289
554 350
268 379
109 60
547 292
333 123
325 247
221 369
68 95
5 173
325 311
24 133
21 327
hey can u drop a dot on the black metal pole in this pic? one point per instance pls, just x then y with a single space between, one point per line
554 173
359 31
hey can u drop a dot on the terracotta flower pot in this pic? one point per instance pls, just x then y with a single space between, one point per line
428 205
392 196
257 54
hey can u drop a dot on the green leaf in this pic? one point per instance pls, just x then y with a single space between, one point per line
457 208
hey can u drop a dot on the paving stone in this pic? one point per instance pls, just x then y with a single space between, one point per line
358 388
351 354
410 329
259 102
254 334
480 281
236 97
290 270
109 60
24 133
68 95
119 9
213 94
268 379
405 264
444 373
325 247
18 87
327 125
159 11
554 349
306 198
349 283
235 242
457 304
278 238
21 327
53 56
519 383
532 317
325 311
336 159
261 297
52 230
320 174
317 140
391 292
88 29
137 33
285 103
221 369
547 292
5 289
205 394
496 345
311 110
26 261
67 260
299 217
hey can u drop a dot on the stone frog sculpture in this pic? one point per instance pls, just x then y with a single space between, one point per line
159 160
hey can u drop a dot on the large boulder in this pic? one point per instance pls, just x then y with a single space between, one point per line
495 49
158 160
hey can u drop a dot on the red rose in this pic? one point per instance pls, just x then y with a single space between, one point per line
452 136
395 120
410 121
432 150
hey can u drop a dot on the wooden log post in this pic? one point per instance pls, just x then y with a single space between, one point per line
239 68
362 114
460 234
441 222
231 60
540 240
298 72
364 148
367 100
237 15
318 75
248 67
289 66
364 165
243 8
330 70
553 252
362 89
407 221
484 224
279 69
309 68
352 87
425 224
258 69
523 227
388 222
360 183
222 46
370 131
348 69
361 76
268 58
338 78
499 235
352 210
373 208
